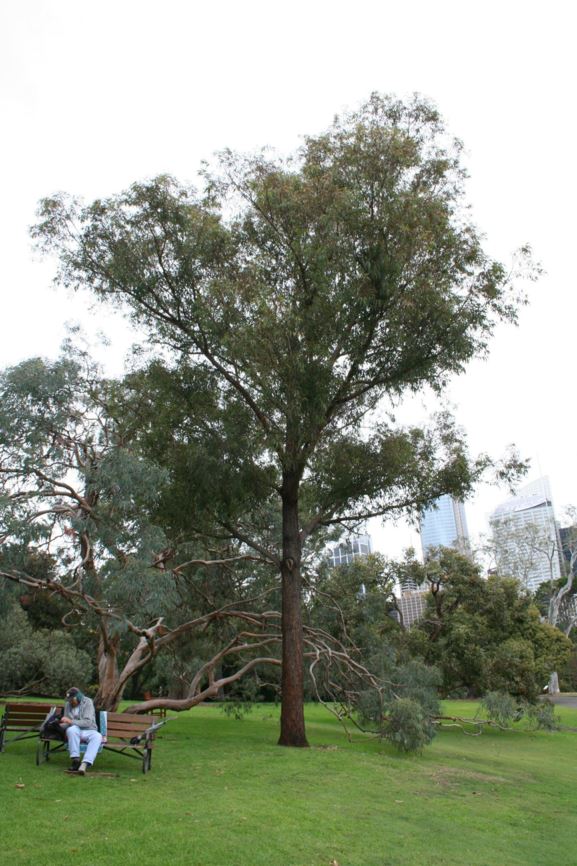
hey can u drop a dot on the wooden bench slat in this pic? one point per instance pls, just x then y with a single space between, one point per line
125 730
130 718
145 723
27 714
27 711
21 716
139 723
21 712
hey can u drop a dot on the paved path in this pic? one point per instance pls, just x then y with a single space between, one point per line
565 700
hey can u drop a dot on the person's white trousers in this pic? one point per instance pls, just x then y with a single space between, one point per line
76 735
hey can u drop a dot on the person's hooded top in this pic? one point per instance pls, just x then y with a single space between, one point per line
83 714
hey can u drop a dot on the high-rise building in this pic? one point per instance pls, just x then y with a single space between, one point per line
412 605
444 524
348 549
526 536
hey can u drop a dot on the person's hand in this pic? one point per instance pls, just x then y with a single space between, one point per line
65 720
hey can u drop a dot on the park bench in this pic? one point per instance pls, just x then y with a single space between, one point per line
125 733
23 720
159 711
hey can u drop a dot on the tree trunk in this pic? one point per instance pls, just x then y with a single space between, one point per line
107 696
553 687
292 725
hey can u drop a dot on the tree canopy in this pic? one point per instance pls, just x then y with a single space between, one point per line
484 634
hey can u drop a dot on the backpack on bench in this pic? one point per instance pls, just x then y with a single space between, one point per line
51 728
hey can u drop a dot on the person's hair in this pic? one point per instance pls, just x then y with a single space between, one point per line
74 693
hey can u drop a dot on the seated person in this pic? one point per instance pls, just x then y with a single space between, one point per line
80 718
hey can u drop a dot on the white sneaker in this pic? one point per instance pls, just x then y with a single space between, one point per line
83 768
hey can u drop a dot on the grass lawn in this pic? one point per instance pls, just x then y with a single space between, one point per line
221 793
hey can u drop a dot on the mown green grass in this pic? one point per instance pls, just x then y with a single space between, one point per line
221 793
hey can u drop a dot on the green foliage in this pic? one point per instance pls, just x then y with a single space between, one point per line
403 707
407 726
568 673
504 709
39 661
337 604
419 683
184 421
552 649
501 708
484 634
362 621
66 471
543 716
512 667
236 709
71 481
300 292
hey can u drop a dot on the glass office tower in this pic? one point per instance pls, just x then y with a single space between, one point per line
526 536
444 524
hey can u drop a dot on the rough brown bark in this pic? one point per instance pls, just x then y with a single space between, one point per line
292 725
107 696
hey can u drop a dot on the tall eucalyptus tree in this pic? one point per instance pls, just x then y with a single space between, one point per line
314 288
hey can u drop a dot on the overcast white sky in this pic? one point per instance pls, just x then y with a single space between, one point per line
96 95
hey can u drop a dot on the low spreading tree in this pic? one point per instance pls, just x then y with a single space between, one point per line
483 634
77 502
102 558
524 551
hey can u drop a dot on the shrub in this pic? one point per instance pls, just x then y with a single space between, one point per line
39 661
542 716
500 707
407 726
